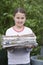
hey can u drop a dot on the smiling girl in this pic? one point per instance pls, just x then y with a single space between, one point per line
19 56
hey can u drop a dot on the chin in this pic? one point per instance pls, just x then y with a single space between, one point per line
20 25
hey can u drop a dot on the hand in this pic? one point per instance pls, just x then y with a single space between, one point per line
10 48
30 46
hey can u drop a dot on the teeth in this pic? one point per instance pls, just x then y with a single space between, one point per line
20 22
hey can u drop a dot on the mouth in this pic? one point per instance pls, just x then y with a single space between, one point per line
20 22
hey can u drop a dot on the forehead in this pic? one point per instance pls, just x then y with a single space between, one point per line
18 14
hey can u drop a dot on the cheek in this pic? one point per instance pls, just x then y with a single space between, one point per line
16 20
23 20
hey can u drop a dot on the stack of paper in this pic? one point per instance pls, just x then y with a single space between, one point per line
21 41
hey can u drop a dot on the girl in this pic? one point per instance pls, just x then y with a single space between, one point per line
19 56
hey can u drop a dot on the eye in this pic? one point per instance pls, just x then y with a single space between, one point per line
22 18
17 17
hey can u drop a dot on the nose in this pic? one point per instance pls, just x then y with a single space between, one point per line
20 19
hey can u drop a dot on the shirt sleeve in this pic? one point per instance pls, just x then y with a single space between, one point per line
31 32
8 32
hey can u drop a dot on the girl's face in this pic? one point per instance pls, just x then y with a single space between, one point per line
19 19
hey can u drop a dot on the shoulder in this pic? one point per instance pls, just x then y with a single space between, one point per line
29 29
8 30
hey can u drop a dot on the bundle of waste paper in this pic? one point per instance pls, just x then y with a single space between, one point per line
21 41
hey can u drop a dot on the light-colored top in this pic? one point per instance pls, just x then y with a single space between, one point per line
18 56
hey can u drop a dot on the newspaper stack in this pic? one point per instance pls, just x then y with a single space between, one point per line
18 41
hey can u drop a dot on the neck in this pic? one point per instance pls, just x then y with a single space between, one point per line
18 28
